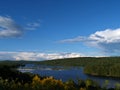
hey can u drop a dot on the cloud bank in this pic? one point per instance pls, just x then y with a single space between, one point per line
107 40
36 56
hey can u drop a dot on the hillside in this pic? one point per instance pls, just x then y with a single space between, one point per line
81 61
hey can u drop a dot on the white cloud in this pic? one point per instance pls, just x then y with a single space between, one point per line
33 26
77 39
36 56
107 36
9 28
107 40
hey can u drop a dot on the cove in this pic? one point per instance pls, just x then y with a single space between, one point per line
66 73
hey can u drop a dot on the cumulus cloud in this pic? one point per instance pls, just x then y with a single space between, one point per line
36 56
108 40
9 28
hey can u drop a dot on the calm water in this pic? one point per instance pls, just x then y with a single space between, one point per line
65 74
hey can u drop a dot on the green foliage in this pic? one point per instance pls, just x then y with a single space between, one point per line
109 67
11 79
117 86
15 80
102 66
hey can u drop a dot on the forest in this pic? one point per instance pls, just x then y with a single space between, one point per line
98 66
12 79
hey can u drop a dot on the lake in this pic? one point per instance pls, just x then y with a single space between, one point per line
66 73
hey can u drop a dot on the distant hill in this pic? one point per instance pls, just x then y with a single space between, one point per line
81 61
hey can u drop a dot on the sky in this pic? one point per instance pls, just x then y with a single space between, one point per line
54 29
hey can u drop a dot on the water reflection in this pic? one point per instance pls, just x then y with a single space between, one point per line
66 73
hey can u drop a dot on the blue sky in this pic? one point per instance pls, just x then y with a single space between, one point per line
49 29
